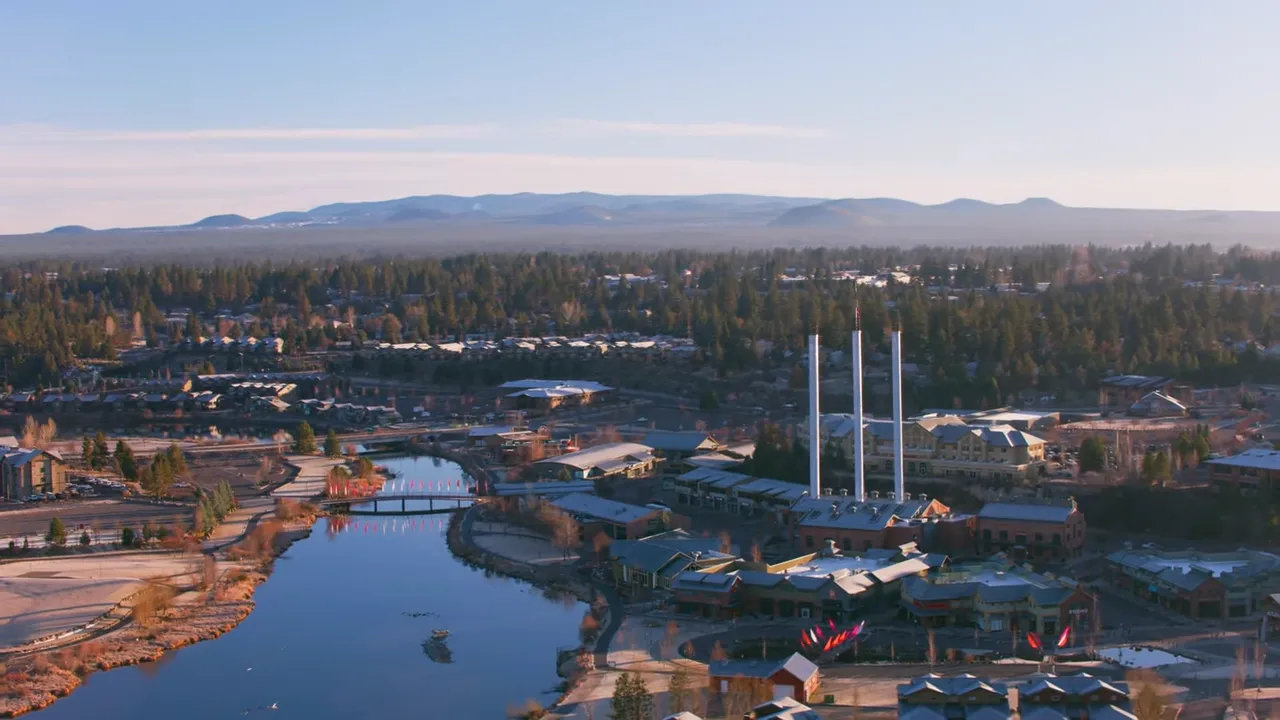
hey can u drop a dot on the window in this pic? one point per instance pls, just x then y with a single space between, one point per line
808 541
1039 538
986 535
847 544
1004 534
1057 538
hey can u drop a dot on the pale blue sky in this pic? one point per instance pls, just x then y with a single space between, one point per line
137 112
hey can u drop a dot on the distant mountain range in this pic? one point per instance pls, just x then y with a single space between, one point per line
879 217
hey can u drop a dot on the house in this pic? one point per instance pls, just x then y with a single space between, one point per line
616 520
619 459
25 472
1046 696
962 697
996 597
1158 405
1041 530
676 445
794 677
1197 584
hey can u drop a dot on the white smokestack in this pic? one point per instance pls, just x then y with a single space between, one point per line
859 489
899 479
815 421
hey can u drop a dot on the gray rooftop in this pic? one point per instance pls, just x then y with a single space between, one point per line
598 508
798 666
847 514
1028 512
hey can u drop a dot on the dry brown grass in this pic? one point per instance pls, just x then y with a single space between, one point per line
288 510
257 545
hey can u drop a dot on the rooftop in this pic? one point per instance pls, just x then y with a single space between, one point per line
798 666
531 384
844 513
1045 512
1257 459
1188 569
1136 381
602 455
598 508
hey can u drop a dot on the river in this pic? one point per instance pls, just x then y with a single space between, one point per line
334 635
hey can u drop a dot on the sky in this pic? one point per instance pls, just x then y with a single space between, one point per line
143 112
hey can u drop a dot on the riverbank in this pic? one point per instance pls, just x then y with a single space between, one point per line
163 617
604 614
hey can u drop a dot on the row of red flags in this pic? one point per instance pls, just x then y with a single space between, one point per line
828 639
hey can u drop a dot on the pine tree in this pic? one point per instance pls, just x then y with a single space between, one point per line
86 451
177 461
125 460
100 450
332 448
57 534
304 439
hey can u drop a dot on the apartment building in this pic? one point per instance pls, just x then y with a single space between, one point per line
995 597
940 446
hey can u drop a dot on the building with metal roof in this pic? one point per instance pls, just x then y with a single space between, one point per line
615 520
607 460
996 596
939 445
794 677
1194 583
1253 472
1044 529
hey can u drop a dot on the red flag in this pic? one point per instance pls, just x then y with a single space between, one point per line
819 632
1034 641
1065 637
831 623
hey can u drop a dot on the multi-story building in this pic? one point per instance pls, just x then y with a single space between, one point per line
677 445
1198 584
736 493
995 597
876 523
939 446
1252 472
1047 530
25 472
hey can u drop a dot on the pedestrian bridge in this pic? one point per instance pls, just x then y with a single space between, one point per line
399 504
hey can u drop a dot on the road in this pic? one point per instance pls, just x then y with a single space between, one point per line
108 517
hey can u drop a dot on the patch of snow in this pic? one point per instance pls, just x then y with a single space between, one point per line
1142 657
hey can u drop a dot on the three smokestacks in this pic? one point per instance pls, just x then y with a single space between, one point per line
815 418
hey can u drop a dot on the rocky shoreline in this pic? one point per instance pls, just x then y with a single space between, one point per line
35 681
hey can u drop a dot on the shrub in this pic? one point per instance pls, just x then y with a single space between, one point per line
127 537
85 540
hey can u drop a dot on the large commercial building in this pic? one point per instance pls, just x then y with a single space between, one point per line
619 459
1197 584
940 446
996 596
615 520
823 586
547 395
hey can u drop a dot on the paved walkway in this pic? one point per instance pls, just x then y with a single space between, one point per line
309 483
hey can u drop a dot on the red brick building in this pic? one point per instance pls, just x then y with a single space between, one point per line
795 677
1047 531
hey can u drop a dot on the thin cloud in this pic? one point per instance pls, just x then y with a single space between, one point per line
702 130
418 132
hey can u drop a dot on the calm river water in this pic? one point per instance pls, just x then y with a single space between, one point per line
334 636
